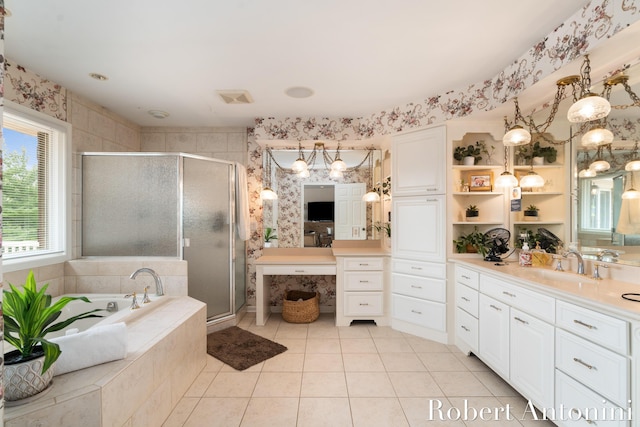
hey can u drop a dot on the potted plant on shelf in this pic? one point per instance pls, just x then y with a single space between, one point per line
537 154
531 213
473 242
269 236
28 317
471 154
472 213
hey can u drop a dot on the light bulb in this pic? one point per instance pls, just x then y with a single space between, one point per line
532 179
335 174
596 137
589 107
506 179
632 166
371 196
600 166
517 135
268 194
299 165
338 165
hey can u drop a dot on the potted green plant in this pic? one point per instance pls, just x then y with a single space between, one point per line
471 154
538 154
269 236
28 317
473 242
531 213
472 213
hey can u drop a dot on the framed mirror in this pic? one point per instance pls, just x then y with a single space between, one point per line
313 211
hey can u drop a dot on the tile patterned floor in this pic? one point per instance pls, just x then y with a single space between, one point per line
362 375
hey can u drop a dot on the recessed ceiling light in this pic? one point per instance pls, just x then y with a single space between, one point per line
158 114
98 76
299 92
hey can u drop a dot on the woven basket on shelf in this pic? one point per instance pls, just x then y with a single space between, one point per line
296 311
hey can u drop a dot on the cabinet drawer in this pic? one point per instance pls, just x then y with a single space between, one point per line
329 270
467 277
420 312
363 263
571 394
363 304
597 327
467 329
417 268
528 301
467 299
420 287
363 281
594 366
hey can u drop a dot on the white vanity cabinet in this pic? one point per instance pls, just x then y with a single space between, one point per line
418 162
360 285
419 227
467 308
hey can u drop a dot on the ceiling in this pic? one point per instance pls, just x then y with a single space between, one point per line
358 56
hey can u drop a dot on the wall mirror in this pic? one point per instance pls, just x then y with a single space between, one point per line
311 211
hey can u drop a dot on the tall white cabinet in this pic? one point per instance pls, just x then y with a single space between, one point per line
418 233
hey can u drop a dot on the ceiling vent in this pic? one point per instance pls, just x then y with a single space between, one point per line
235 96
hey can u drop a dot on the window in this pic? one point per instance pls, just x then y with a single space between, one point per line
595 204
36 167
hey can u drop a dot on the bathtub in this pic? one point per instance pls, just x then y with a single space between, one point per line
166 352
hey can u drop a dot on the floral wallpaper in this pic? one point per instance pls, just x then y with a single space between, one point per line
2 74
29 89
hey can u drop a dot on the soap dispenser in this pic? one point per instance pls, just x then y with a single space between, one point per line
525 255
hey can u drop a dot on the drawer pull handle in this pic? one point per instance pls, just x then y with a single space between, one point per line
416 287
465 328
364 281
524 322
299 271
509 294
416 268
364 303
465 299
432 200
416 311
495 308
465 277
364 264
581 416
580 322
575 359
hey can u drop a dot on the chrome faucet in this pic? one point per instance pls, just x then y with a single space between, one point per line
613 254
159 289
579 257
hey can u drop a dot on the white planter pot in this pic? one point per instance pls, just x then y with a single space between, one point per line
24 379
538 161
267 244
469 161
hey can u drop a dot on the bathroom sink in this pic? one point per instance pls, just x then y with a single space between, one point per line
558 276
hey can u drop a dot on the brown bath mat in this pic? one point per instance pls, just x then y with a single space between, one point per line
241 349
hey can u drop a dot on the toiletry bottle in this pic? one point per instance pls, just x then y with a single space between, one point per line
525 255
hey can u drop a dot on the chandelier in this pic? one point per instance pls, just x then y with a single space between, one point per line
267 193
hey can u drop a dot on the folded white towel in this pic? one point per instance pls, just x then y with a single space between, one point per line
94 346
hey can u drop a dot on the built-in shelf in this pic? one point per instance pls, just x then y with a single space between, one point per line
527 167
478 193
538 222
478 167
541 193
476 223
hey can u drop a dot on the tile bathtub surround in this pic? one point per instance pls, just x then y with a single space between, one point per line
361 375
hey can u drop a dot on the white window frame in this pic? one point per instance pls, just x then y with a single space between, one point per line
62 176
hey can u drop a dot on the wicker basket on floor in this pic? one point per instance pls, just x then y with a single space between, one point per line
300 306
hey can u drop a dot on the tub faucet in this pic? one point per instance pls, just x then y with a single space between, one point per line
579 257
159 289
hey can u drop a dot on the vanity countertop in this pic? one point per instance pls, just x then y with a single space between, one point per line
354 252
277 256
603 294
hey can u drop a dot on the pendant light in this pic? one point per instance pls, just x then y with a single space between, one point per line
267 193
338 164
631 192
372 195
532 180
634 164
335 174
516 135
599 165
506 179
590 106
597 136
300 164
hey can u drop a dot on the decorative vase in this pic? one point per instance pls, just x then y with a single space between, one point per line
469 161
538 161
24 379
267 244
471 249
530 215
472 216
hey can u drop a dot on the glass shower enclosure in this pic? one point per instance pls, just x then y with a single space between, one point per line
168 205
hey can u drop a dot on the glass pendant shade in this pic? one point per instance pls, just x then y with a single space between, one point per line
589 107
531 179
299 165
631 193
599 166
338 165
517 135
596 137
587 173
336 174
268 194
304 174
506 179
371 196
632 166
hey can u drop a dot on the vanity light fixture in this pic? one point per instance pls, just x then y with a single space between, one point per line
338 164
267 193
372 194
631 192
599 165
300 164
335 174
634 164
516 134
506 178
590 106
304 174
